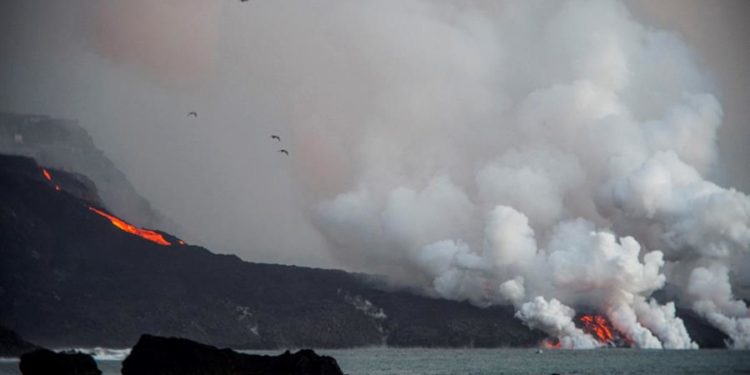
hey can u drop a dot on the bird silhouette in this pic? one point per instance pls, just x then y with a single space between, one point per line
276 137
193 114
285 152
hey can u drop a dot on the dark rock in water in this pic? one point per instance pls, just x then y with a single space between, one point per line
154 355
47 362
12 345
304 361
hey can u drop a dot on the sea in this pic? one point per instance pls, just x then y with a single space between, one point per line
383 361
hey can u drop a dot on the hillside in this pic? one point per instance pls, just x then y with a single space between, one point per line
69 277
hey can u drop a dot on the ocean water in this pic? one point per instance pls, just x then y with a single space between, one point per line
382 361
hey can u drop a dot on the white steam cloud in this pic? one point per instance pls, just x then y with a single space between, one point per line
568 172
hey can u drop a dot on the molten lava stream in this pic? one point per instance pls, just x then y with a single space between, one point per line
48 177
599 327
127 227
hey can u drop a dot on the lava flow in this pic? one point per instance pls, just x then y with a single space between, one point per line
48 177
551 344
127 227
599 327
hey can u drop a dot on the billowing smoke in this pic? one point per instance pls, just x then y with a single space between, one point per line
556 156
569 172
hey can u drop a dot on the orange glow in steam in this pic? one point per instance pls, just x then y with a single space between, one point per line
551 344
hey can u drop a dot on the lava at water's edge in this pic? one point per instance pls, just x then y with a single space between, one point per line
127 227
599 327
551 344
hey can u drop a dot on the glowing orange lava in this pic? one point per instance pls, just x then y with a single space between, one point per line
127 227
48 177
599 327
122 224
551 344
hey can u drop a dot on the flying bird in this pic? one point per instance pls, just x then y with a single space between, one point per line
285 152
193 114
276 137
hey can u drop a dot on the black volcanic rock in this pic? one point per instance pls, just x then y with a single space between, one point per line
154 355
704 334
68 278
47 362
12 345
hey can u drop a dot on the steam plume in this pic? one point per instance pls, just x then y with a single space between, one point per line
581 157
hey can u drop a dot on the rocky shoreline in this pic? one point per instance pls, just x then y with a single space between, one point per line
155 355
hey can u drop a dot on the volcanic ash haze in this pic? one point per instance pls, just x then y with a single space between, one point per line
551 155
